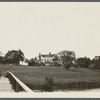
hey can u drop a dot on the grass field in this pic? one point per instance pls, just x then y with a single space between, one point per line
74 78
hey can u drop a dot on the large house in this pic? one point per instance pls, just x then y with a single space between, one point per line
47 59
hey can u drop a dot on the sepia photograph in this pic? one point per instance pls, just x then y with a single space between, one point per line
50 49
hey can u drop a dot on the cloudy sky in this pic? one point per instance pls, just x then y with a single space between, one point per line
44 27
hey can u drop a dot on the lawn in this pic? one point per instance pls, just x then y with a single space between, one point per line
62 79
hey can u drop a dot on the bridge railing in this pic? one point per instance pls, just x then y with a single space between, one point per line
17 85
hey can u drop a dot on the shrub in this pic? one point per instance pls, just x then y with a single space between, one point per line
48 84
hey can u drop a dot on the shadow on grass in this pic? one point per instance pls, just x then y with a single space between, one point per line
74 70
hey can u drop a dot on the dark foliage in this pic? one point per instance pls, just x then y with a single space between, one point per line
31 62
83 62
13 57
67 57
96 62
67 64
1 59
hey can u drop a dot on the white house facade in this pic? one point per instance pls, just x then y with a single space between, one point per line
23 62
46 58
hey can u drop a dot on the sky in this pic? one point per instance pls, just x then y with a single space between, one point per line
52 27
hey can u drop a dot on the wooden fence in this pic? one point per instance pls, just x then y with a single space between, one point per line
17 85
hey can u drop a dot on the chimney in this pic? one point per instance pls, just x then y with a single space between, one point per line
39 56
49 53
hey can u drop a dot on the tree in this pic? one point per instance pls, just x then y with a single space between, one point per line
56 61
67 57
31 62
1 59
96 62
14 56
83 62
56 58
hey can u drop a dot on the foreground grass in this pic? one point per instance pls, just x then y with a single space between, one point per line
74 78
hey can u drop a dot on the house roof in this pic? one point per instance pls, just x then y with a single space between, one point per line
48 55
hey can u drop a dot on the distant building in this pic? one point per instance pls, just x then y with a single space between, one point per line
23 62
1 54
47 59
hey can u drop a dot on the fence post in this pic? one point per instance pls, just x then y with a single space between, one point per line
17 87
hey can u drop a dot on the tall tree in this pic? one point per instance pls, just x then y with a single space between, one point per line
14 56
67 57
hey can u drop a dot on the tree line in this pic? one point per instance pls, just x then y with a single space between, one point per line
65 57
